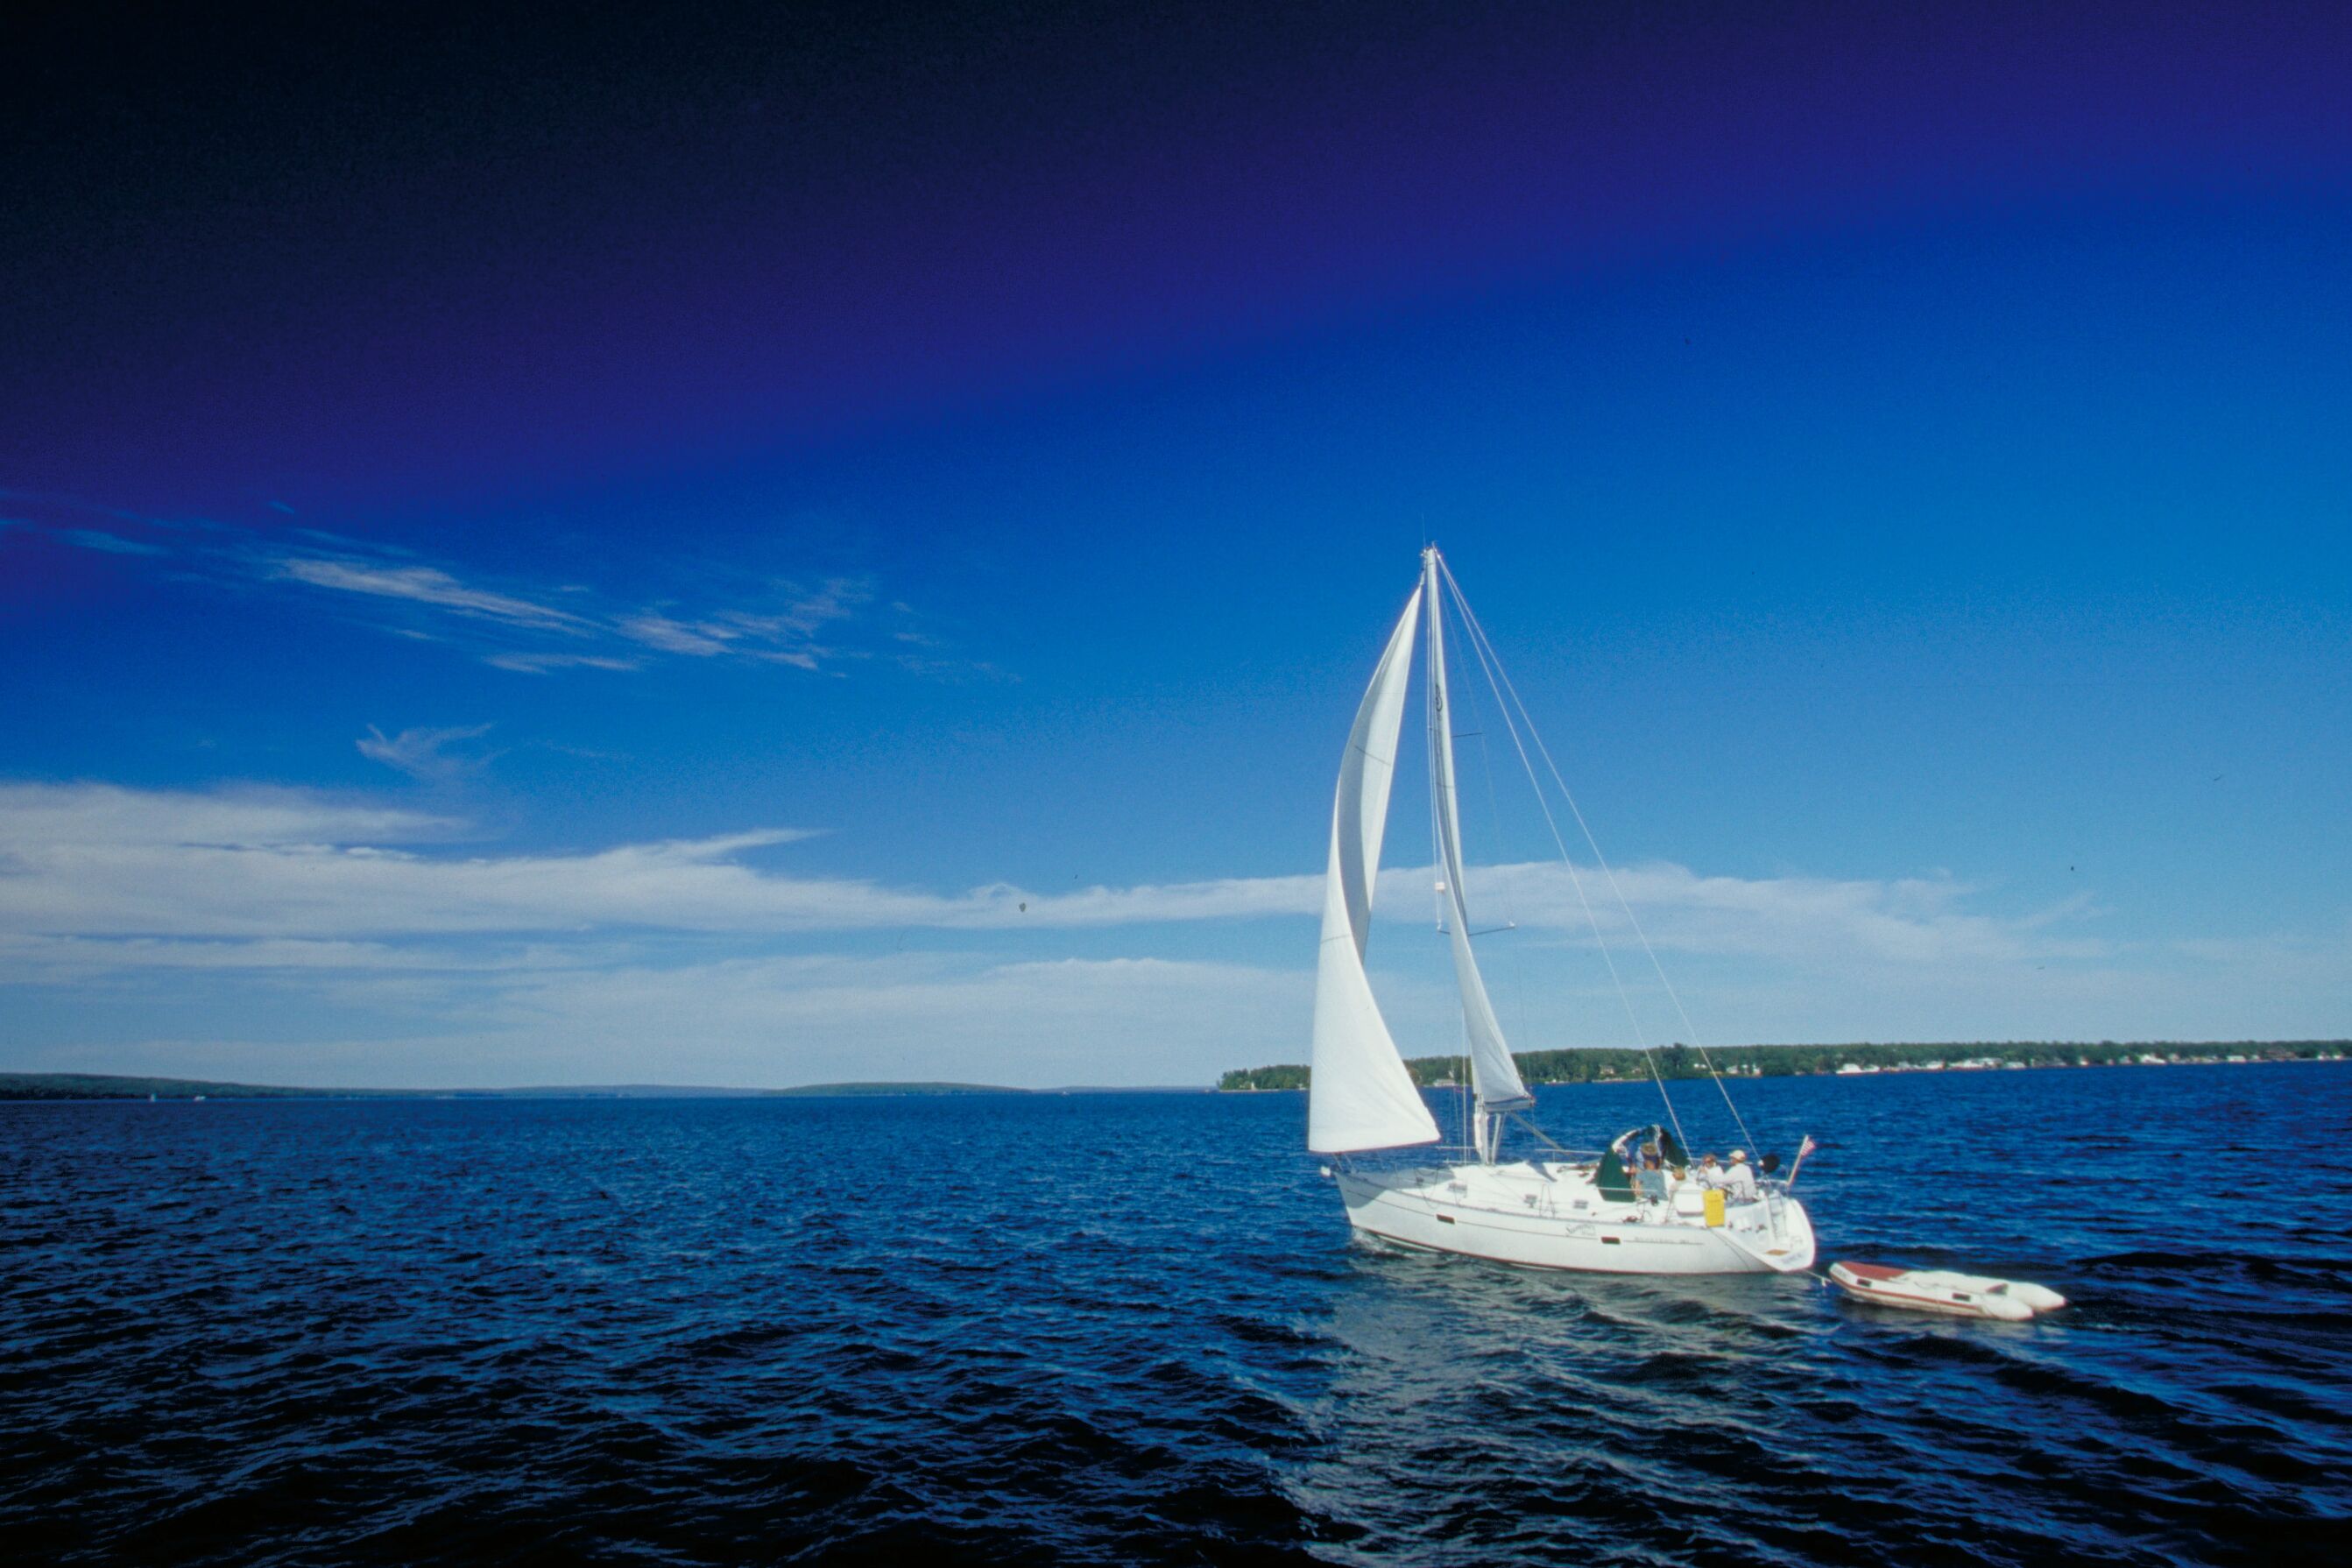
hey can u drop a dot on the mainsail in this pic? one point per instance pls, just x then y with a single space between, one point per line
1493 1075
1360 1095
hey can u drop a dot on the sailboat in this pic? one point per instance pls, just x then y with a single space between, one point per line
1637 1206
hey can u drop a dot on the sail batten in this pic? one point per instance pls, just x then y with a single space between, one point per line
1493 1076
1360 1095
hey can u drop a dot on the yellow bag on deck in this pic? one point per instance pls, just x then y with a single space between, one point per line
1713 1206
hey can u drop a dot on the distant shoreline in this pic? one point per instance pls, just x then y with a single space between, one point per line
1542 1068
1611 1065
110 1087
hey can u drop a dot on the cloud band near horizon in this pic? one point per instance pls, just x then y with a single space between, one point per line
335 940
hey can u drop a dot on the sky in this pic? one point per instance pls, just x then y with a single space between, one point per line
841 543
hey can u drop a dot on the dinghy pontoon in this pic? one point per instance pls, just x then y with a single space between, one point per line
1937 1290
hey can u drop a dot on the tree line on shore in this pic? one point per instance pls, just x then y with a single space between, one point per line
1614 1064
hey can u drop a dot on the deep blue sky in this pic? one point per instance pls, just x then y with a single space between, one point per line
1902 457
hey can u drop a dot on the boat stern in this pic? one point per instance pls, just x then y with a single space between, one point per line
1791 1246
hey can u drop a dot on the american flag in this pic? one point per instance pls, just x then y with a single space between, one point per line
1807 1147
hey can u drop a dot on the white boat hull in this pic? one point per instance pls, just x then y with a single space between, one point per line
1539 1216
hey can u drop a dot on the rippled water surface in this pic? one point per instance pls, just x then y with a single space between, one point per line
1116 1328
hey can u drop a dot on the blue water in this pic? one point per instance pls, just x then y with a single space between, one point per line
1107 1328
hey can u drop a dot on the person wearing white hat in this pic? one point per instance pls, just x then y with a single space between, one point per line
1739 1181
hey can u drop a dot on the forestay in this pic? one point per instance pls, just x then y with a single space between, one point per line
1360 1095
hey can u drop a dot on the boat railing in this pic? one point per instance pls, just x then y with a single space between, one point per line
1466 1154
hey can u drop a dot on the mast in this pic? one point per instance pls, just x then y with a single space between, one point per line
1493 1076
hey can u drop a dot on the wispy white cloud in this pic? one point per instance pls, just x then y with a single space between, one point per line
36 818
1900 919
53 958
544 663
783 633
522 628
2296 960
655 630
427 586
110 544
98 860
423 753
804 614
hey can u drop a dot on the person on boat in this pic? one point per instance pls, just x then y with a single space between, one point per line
1709 1173
1654 1179
1739 1180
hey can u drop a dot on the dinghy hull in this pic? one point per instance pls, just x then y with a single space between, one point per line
1951 1295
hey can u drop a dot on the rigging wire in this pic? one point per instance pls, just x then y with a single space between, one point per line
1480 643
1624 999
1467 697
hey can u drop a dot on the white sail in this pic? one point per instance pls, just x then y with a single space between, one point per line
1492 1074
1360 1095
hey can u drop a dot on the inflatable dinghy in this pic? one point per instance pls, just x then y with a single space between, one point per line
1933 1290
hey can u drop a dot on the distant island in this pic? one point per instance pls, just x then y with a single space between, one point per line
869 1090
1611 1065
